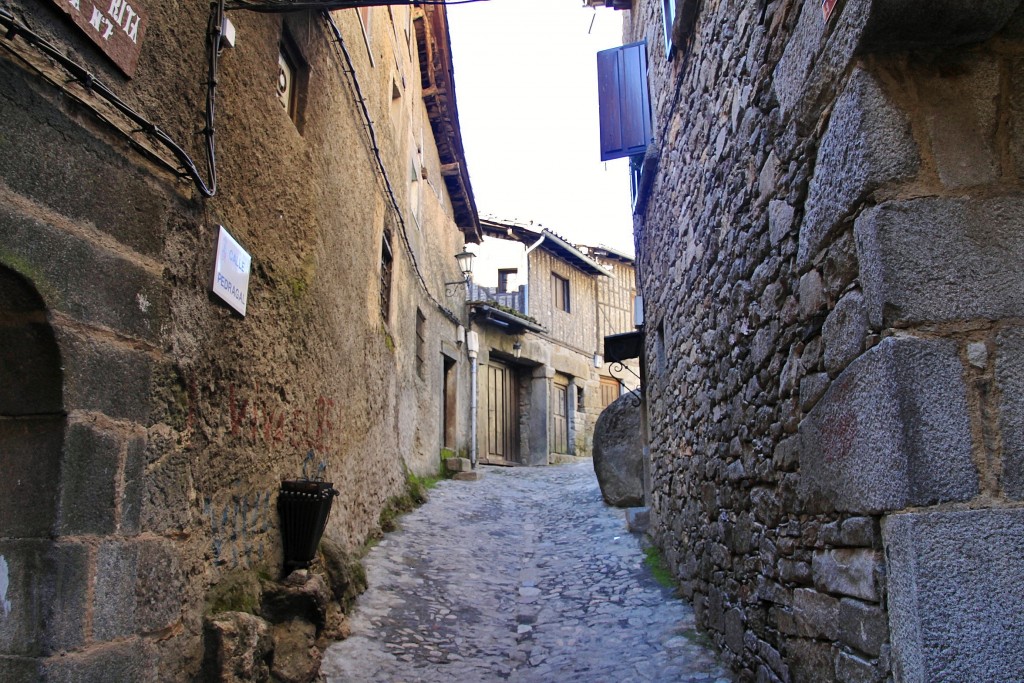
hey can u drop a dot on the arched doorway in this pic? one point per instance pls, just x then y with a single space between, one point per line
32 427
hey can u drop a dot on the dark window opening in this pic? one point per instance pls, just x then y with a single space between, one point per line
560 290
386 264
421 342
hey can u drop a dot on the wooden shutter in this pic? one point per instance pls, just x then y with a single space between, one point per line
623 101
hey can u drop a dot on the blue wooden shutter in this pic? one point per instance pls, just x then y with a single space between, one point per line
623 101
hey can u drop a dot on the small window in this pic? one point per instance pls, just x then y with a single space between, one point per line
579 399
386 262
421 342
508 280
560 291
292 80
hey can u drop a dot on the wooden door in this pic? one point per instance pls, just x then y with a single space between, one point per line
609 391
502 414
560 417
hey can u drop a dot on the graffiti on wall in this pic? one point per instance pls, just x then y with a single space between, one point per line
259 418
238 529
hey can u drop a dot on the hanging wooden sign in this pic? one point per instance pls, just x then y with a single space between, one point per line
116 26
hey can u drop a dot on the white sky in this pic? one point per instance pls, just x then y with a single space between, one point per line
526 83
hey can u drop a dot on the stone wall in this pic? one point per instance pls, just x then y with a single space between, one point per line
833 332
175 419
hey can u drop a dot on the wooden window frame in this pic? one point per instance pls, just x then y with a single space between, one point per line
560 293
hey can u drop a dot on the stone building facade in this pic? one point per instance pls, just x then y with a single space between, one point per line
144 425
541 307
828 222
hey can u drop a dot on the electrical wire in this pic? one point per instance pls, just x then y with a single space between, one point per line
14 28
330 5
381 170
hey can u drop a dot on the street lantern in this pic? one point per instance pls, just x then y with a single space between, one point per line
465 261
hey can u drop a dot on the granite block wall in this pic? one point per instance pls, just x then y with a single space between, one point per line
826 252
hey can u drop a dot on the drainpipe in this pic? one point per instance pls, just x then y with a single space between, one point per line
473 347
526 299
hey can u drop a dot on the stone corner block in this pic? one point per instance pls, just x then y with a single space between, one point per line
954 594
891 431
941 259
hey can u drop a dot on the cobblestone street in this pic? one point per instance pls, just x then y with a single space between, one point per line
523 576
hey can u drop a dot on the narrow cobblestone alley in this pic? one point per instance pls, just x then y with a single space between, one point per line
524 576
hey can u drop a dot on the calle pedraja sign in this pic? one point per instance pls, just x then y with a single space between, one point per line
231 271
116 26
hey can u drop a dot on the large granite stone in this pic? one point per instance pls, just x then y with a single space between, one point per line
940 259
618 453
867 145
954 594
890 432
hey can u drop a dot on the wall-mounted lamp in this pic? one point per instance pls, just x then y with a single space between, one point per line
517 349
465 261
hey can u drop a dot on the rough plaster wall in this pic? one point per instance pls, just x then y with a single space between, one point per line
775 139
200 413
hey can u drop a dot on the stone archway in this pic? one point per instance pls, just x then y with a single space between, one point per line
32 428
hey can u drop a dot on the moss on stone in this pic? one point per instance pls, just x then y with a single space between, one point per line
236 592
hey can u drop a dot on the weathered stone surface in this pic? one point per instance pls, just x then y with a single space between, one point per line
458 464
239 648
815 57
863 626
780 220
302 595
853 669
296 658
345 572
844 332
817 614
29 488
83 280
847 571
1010 380
808 659
908 24
47 585
135 213
125 662
105 378
937 259
138 588
891 431
114 594
618 453
868 144
954 594
962 121
88 492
